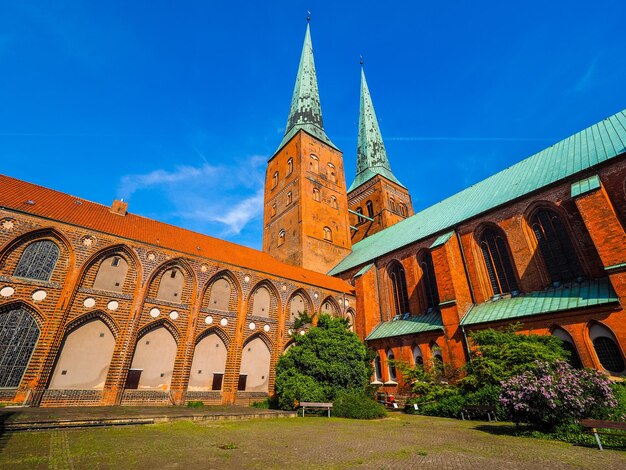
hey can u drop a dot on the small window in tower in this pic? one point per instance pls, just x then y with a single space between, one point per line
273 210
281 237
333 202
316 194
115 262
331 173
275 179
328 234
392 204
289 166
370 209
289 198
314 164
402 209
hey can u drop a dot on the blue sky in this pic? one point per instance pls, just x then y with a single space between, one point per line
176 106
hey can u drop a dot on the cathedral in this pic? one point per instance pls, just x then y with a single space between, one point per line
99 306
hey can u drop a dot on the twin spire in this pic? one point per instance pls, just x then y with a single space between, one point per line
306 114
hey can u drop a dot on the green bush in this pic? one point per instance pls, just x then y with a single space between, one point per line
195 404
357 404
448 407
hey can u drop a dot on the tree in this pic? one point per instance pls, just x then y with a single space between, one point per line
326 360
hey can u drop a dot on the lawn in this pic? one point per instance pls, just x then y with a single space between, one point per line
400 441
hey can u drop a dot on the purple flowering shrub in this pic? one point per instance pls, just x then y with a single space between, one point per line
554 393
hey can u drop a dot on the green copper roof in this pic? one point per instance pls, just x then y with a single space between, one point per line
590 147
586 185
442 239
371 154
363 270
306 112
416 324
570 297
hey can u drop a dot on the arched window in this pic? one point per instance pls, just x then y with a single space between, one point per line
391 367
329 308
428 281
398 287
360 219
392 204
555 246
370 209
18 336
38 261
333 202
402 209
289 198
378 370
418 359
111 274
607 349
328 234
275 179
281 237
568 345
332 177
314 164
497 261
273 210
171 286
316 194
289 166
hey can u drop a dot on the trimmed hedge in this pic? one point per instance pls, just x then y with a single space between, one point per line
356 404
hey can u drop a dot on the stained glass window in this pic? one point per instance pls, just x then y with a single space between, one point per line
429 282
498 262
38 261
398 286
609 354
18 335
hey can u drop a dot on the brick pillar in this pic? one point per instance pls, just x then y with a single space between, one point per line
233 359
607 235
454 297
367 303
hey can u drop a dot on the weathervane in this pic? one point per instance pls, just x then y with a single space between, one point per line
308 16
361 61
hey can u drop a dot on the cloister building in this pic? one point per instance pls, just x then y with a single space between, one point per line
99 306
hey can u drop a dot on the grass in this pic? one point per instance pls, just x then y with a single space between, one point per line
400 440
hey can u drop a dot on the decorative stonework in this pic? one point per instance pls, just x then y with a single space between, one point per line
7 224
88 240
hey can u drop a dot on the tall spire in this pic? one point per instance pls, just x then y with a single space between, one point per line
306 112
371 153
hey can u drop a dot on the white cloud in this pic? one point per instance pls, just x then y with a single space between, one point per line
218 200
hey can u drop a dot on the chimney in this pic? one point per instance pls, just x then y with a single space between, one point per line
119 207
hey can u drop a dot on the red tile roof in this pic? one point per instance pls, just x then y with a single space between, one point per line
65 208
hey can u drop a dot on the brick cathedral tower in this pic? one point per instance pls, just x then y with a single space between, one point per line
376 192
306 208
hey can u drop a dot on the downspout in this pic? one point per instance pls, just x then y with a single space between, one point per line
469 284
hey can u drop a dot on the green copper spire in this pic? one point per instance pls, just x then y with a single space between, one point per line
371 153
306 113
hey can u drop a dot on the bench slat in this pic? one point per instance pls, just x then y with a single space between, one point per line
598 423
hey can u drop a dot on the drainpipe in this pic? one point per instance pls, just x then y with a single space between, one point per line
469 284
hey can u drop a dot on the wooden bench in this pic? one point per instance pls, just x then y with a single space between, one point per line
594 424
315 406
469 411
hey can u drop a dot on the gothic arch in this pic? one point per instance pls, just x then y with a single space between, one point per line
97 258
308 304
568 344
558 241
213 330
397 287
190 282
274 303
428 293
107 319
495 260
263 337
153 325
234 284
65 247
333 303
604 331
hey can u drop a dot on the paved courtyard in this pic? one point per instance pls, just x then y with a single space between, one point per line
400 441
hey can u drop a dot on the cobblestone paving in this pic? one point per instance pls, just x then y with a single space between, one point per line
398 442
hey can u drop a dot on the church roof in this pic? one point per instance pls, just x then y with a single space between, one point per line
306 111
593 293
371 154
580 152
32 199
